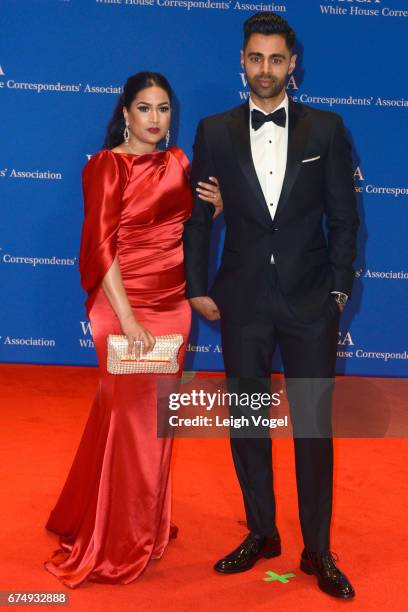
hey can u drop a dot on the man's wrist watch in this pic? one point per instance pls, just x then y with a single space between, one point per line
341 298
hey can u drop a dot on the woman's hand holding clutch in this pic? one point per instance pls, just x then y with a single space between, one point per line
137 334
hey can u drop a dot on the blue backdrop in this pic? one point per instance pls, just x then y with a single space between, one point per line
62 63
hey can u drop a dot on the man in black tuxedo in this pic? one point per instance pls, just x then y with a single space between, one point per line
284 170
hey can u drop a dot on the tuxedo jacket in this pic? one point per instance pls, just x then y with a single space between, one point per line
313 235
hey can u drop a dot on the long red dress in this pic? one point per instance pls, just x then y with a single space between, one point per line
113 515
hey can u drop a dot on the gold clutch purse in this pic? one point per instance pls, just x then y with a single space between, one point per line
161 360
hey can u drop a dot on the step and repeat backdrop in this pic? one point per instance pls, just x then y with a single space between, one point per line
62 65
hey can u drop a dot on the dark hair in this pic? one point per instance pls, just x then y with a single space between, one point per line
267 24
134 84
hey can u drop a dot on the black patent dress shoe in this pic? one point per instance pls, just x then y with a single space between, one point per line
248 553
329 578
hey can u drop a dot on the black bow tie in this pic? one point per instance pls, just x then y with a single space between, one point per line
258 118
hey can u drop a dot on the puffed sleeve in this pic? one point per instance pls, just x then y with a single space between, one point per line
102 184
182 159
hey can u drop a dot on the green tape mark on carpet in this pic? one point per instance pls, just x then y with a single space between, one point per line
283 578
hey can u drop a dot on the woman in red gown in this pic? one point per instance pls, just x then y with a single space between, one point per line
113 515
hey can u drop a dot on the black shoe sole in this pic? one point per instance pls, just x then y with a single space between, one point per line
269 554
305 567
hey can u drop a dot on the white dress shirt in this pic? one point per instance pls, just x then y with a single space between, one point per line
269 147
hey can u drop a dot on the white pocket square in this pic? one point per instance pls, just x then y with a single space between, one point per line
310 159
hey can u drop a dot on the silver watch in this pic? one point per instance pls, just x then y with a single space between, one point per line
341 298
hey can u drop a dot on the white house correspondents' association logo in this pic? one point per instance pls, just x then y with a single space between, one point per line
329 101
86 341
362 186
347 349
371 274
34 260
29 342
17 85
360 8
189 5
45 175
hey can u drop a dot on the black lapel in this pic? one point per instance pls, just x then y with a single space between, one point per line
239 132
299 128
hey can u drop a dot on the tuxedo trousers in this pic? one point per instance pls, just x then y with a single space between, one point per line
308 352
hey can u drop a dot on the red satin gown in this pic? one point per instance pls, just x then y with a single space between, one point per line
113 515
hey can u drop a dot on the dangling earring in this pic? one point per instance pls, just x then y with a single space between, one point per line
126 133
167 139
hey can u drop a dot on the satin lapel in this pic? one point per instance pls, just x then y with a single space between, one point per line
299 128
239 132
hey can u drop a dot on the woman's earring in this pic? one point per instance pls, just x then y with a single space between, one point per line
167 139
126 133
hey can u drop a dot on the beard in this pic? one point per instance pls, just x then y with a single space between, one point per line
272 91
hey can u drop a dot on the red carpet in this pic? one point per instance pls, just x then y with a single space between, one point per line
43 413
